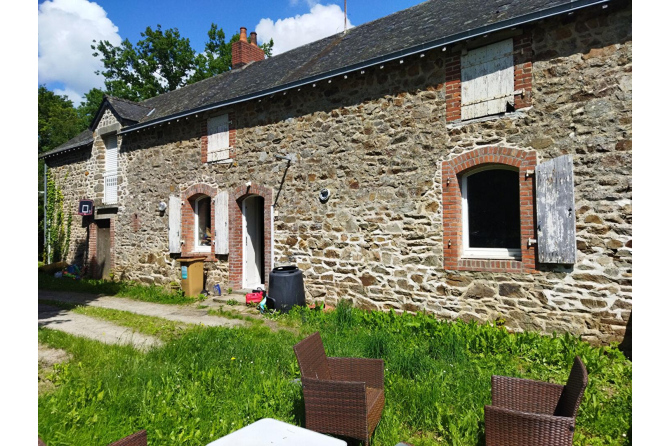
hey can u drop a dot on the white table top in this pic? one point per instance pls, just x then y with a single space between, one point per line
269 431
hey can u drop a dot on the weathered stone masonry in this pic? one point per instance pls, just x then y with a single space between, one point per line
379 142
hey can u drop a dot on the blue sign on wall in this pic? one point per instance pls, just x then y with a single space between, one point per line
184 272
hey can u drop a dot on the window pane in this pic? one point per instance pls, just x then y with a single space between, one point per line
493 209
204 222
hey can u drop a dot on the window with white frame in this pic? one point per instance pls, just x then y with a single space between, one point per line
202 208
491 213
218 141
111 169
487 80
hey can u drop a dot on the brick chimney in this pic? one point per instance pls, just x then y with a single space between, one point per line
245 52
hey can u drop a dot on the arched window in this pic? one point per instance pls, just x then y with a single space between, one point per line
491 213
488 210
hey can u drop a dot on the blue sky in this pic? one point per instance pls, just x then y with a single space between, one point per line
66 28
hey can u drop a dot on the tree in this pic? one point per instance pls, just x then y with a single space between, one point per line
57 119
163 61
57 122
90 105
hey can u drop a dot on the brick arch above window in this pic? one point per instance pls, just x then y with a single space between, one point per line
452 216
188 197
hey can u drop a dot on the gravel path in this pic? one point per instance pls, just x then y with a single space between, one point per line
90 327
59 319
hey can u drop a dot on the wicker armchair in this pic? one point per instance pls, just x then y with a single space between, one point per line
533 413
137 439
343 396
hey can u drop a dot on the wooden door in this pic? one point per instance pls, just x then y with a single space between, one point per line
103 252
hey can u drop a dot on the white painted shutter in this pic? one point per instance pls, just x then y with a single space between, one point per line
111 170
217 138
556 241
174 225
487 80
221 223
111 154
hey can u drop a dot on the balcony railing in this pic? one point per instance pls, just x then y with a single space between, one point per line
111 187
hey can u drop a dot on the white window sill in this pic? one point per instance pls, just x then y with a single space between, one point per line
491 254
517 114
225 161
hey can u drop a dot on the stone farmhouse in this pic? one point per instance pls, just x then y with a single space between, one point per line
468 158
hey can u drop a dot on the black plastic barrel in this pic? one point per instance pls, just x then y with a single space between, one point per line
286 287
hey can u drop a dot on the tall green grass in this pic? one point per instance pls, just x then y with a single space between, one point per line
437 380
129 289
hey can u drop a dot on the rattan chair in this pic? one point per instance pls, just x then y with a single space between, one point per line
343 396
534 413
137 439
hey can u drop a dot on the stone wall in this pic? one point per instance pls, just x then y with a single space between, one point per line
72 173
376 140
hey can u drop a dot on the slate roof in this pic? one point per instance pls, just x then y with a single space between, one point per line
428 25
83 139
128 110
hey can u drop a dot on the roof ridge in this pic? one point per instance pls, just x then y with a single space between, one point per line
340 34
126 101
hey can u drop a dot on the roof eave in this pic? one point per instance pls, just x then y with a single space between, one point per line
56 152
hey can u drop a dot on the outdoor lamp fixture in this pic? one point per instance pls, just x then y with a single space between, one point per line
162 206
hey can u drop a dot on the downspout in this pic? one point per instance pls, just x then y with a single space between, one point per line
44 204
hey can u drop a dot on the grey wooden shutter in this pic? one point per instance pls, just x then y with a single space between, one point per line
174 225
556 211
221 223
218 138
487 80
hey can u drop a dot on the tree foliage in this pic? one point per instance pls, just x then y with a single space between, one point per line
57 120
163 61
90 105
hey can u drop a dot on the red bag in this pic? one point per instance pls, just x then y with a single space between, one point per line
255 297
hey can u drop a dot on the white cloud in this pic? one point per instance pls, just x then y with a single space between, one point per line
321 21
72 95
67 29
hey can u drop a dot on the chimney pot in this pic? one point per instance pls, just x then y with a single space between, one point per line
243 34
252 38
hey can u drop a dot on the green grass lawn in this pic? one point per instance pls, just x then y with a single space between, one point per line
129 289
207 382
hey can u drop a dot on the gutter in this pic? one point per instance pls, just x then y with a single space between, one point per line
483 30
64 150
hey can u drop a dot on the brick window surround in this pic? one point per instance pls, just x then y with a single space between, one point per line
452 209
523 77
188 228
236 241
232 133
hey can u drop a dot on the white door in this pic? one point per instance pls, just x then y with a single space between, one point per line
252 211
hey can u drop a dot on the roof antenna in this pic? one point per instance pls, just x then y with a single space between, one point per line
345 16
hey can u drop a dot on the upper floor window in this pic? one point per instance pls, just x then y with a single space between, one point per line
491 213
111 168
218 138
487 80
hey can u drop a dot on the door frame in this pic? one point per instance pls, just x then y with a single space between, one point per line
236 232
258 202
